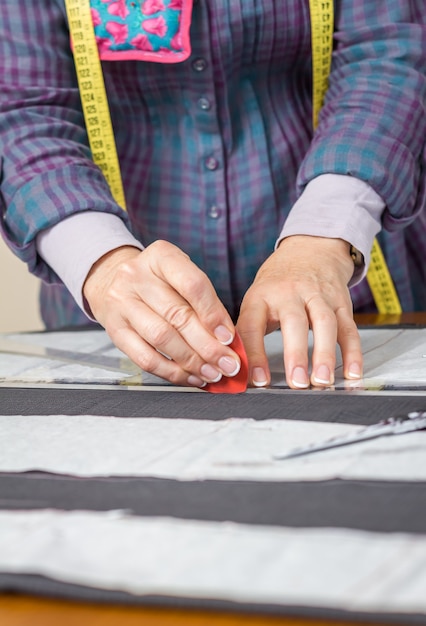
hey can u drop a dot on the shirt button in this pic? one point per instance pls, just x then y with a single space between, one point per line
211 163
204 104
214 212
199 65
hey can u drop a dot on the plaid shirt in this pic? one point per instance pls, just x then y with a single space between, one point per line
215 150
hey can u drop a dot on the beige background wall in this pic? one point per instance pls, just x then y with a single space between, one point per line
19 292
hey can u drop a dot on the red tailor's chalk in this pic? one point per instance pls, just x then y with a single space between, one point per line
233 384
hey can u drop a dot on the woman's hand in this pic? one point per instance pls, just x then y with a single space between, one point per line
162 311
303 285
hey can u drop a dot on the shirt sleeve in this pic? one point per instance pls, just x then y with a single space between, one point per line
46 169
340 207
373 124
73 245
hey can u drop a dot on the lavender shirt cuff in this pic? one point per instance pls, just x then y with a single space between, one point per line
341 207
73 245
331 205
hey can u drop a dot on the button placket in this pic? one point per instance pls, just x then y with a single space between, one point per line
211 160
210 152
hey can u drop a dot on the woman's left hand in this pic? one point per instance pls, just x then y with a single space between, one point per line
302 285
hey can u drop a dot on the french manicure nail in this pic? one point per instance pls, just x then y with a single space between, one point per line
223 335
194 381
322 375
211 373
230 366
259 377
300 378
354 371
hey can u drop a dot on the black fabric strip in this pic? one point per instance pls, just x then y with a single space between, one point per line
41 586
366 505
322 406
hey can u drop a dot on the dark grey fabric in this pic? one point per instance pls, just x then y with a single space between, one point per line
322 406
369 505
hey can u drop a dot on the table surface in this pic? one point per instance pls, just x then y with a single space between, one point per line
19 610
23 610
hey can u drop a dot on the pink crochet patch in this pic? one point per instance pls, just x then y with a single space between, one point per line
142 30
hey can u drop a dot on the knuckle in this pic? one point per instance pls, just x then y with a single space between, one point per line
209 351
296 319
159 335
125 272
177 377
191 362
195 290
179 316
326 316
194 284
160 246
349 331
124 276
116 334
112 297
147 361
162 249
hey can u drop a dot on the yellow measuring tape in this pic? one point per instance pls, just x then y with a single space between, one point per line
322 26
381 284
93 95
101 135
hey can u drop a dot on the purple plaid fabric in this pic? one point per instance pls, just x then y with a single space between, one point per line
215 150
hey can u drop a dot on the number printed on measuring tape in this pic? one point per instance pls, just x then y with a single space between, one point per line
381 284
322 22
93 95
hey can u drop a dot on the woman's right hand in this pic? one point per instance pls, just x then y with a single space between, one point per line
162 311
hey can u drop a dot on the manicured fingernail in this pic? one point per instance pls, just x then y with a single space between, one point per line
322 375
354 371
300 378
223 335
194 381
230 366
259 377
210 373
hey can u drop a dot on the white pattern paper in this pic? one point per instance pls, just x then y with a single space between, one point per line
185 449
392 357
330 567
